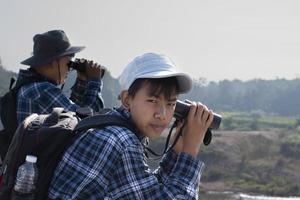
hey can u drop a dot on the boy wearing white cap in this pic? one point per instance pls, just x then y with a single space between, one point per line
110 163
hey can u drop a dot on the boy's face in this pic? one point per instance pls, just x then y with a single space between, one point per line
63 67
151 113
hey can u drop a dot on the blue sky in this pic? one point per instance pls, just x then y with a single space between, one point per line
214 39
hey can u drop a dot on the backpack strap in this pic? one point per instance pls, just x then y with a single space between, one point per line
12 81
103 120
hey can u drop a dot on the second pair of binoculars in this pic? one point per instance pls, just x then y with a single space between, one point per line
80 65
183 107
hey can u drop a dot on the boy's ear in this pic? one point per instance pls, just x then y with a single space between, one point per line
125 98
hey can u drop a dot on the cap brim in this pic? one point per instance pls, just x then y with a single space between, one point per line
39 60
184 81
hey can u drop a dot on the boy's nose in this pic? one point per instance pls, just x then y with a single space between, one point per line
161 113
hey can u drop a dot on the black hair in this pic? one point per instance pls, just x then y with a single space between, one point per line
166 86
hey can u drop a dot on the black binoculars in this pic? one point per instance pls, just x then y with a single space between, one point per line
182 110
80 66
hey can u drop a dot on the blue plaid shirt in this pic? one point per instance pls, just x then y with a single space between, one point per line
41 97
110 164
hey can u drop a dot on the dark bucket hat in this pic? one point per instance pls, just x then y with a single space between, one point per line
49 46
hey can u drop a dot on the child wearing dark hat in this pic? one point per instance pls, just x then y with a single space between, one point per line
48 65
110 163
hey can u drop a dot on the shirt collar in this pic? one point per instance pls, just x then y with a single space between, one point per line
126 114
31 73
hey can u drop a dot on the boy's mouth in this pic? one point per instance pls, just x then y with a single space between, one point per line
157 128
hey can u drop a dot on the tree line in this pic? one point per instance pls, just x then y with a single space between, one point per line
279 96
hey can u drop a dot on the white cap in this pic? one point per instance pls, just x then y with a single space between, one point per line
30 158
152 65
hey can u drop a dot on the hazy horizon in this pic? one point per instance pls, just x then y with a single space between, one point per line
215 39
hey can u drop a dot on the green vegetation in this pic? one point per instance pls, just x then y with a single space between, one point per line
256 121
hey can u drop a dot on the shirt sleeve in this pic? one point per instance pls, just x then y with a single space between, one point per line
77 91
138 182
53 97
88 93
166 165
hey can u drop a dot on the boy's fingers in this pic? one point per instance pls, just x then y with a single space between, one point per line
193 110
211 117
205 114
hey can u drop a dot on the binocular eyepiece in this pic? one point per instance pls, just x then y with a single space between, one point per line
182 109
78 64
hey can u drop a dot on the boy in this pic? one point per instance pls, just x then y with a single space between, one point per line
52 52
110 163
48 67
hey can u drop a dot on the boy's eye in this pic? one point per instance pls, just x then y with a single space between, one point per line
152 100
171 103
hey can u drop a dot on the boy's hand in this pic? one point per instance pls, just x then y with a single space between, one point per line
198 121
93 70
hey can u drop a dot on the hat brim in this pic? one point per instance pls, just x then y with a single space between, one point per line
36 60
185 83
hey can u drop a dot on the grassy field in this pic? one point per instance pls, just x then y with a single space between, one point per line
256 121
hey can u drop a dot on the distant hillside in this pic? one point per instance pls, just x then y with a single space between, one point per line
5 76
278 96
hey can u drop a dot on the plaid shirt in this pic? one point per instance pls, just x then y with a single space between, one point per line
110 164
42 97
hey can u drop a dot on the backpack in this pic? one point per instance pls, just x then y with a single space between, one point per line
48 136
8 113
